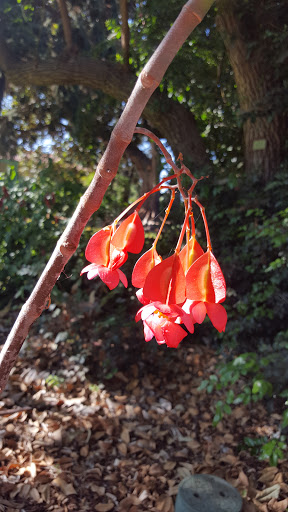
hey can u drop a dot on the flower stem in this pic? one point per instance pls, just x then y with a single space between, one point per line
167 211
143 198
202 209
180 240
166 154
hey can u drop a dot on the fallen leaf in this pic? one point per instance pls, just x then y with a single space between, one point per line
165 504
34 495
65 487
125 435
278 506
98 489
104 507
84 451
122 448
268 475
268 493
242 481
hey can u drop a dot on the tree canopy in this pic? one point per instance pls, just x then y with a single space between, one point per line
81 55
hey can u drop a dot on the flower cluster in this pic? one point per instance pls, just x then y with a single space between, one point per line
181 289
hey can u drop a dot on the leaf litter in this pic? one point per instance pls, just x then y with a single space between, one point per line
71 443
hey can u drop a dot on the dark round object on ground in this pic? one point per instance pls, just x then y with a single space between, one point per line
207 493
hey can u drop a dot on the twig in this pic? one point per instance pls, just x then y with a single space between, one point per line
8 412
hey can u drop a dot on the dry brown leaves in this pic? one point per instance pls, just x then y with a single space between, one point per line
127 444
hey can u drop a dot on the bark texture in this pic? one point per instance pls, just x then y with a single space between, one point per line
242 28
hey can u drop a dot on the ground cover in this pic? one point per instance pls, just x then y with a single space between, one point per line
71 440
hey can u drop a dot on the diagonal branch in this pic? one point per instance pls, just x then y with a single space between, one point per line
150 77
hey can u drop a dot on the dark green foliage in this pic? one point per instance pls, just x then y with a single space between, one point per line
249 233
247 374
35 207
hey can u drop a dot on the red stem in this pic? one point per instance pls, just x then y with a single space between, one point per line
166 153
180 240
202 209
167 211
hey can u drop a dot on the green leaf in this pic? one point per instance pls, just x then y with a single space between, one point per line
273 459
227 409
12 174
203 385
261 387
216 419
285 419
249 442
230 396
210 388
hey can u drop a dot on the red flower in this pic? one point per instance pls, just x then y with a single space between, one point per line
105 259
107 251
166 282
143 266
130 235
141 298
198 311
188 256
205 281
162 321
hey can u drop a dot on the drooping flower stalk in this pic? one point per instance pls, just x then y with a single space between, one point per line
167 211
161 146
202 209
140 201
182 233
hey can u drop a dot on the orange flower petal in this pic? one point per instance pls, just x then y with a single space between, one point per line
143 266
217 315
166 282
109 277
173 334
199 312
205 281
122 277
97 250
195 251
130 234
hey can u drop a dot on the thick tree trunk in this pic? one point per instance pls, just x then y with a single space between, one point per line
242 27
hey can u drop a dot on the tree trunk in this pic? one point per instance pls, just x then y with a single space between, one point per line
243 27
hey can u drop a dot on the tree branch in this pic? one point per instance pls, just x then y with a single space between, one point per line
124 32
66 24
166 116
150 77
